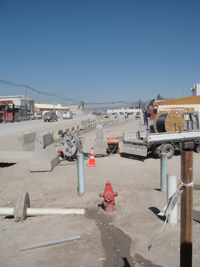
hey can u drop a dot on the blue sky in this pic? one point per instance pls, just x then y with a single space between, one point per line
100 50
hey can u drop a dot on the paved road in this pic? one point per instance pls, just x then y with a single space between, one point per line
23 125
10 132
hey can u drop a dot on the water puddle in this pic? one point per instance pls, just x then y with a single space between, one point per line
115 242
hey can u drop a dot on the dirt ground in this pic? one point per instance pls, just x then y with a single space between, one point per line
116 239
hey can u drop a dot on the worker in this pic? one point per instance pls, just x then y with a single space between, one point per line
125 116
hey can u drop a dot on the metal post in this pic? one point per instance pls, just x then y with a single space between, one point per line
148 126
80 174
171 188
163 172
186 209
25 96
54 100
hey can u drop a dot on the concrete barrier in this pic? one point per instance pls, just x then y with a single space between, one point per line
99 132
26 142
100 145
77 128
45 157
60 132
84 125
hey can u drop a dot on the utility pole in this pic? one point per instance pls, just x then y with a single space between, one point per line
54 100
69 103
26 96
186 209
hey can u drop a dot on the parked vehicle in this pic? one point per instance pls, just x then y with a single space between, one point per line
137 115
50 116
38 115
142 143
67 115
30 115
106 115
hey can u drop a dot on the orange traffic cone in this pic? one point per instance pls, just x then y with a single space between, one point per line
92 159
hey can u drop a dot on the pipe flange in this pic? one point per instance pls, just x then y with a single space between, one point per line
20 210
69 144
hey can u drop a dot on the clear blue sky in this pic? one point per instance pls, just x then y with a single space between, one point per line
100 50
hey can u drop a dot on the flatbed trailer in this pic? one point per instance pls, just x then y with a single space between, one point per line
142 143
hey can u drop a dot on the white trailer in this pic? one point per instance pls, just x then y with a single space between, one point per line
142 143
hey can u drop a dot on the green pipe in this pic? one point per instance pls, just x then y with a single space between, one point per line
163 172
80 173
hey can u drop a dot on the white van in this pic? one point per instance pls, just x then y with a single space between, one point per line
67 115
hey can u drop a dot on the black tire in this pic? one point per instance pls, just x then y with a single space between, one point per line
169 149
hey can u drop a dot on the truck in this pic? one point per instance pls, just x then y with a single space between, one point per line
141 143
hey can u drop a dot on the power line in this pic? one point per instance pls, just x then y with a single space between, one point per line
39 92
11 83
35 90
67 99
109 103
64 98
22 85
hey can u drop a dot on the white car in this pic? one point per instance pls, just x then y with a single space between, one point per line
106 115
38 115
67 115
137 115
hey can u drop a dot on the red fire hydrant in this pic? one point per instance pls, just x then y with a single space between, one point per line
60 153
108 196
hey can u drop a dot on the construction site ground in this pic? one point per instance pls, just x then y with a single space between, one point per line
106 239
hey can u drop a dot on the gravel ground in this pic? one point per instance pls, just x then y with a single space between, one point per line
117 239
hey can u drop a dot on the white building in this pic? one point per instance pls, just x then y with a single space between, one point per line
20 101
195 89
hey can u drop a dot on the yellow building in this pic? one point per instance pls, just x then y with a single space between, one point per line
185 104
191 103
58 108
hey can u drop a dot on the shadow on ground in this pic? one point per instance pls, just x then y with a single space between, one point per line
156 211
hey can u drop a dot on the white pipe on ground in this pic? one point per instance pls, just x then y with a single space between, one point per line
6 211
42 211
45 211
